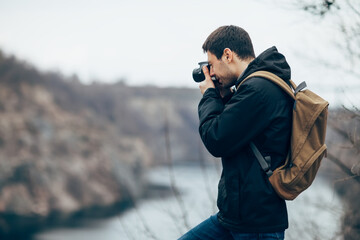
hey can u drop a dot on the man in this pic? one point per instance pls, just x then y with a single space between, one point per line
258 111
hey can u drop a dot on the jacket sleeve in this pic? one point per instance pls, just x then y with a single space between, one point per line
226 129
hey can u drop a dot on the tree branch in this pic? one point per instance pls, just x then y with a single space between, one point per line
177 195
343 167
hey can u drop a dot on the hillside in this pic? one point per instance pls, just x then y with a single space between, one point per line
67 147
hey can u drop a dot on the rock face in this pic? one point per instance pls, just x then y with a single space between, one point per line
67 148
53 160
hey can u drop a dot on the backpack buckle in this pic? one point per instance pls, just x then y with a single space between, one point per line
300 87
269 172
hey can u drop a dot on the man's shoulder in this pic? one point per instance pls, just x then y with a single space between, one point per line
264 86
259 83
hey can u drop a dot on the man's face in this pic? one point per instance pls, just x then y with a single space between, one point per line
221 70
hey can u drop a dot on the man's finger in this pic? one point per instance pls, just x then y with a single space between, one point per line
206 72
207 83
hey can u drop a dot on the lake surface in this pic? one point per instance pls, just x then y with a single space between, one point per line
315 214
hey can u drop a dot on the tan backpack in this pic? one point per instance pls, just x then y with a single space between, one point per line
307 147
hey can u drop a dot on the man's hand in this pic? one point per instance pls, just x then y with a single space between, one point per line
207 83
223 91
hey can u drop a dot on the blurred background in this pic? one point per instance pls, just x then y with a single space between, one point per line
98 126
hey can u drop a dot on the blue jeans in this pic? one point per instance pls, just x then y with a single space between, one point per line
211 229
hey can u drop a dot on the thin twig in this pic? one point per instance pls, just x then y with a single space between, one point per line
346 179
206 177
343 167
353 8
176 221
126 231
145 225
132 198
171 171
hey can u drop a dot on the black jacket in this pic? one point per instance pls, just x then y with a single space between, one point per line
259 111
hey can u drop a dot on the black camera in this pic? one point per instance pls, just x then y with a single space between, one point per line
198 74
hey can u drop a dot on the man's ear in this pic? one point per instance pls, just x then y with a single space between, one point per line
228 55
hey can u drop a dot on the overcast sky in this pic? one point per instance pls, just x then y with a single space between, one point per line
151 42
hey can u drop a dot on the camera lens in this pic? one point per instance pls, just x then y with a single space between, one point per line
198 74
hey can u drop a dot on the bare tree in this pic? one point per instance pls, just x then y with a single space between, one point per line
178 197
344 18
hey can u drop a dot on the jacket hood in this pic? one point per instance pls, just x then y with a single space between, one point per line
270 60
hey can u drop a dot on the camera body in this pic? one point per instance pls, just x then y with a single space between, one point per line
198 74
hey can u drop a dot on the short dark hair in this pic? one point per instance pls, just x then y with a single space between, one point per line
233 37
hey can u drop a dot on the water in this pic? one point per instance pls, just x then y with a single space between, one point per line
313 215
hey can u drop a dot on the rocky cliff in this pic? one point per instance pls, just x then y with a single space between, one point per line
67 147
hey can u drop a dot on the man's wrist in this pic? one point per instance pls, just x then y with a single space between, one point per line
211 89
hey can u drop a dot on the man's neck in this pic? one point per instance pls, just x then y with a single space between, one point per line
242 65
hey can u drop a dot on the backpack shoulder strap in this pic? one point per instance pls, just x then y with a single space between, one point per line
278 81
265 165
